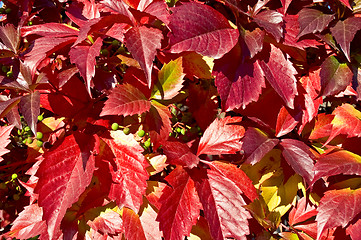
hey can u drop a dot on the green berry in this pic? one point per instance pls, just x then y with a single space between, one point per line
20 131
25 141
115 126
5 69
30 23
39 143
115 43
104 52
183 131
2 10
29 140
16 197
8 10
40 118
39 135
14 176
178 130
126 130
147 143
27 129
10 74
141 133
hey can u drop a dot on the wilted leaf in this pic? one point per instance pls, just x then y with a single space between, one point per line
312 21
335 76
63 175
170 79
143 42
125 100
200 28
180 205
337 208
222 137
344 32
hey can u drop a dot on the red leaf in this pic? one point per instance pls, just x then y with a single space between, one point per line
272 22
65 172
128 169
119 7
150 225
7 104
222 137
83 56
159 10
43 47
180 205
30 109
323 126
4 140
285 4
346 121
285 122
238 83
109 223
132 225
299 157
179 154
344 32
193 26
28 224
10 37
312 21
254 41
280 72
158 120
237 176
337 208
354 230
125 100
223 207
340 162
256 145
301 213
50 30
143 42
346 3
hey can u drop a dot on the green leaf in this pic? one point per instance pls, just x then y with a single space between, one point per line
170 79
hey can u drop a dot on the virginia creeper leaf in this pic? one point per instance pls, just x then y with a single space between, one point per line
200 28
132 226
222 137
256 145
64 173
238 83
149 224
4 139
108 222
299 157
335 76
237 176
10 37
30 109
83 56
125 100
7 104
285 122
119 7
143 42
323 126
354 230
280 72
29 223
347 121
179 154
312 21
158 120
50 30
170 79
285 4
180 205
272 22
303 212
344 32
223 207
340 162
346 3
254 41
128 169
337 208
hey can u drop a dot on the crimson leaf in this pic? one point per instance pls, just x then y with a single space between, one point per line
64 173
132 226
272 22
125 100
222 137
143 42
344 32
200 28
180 154
180 205
50 30
4 140
30 108
312 21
